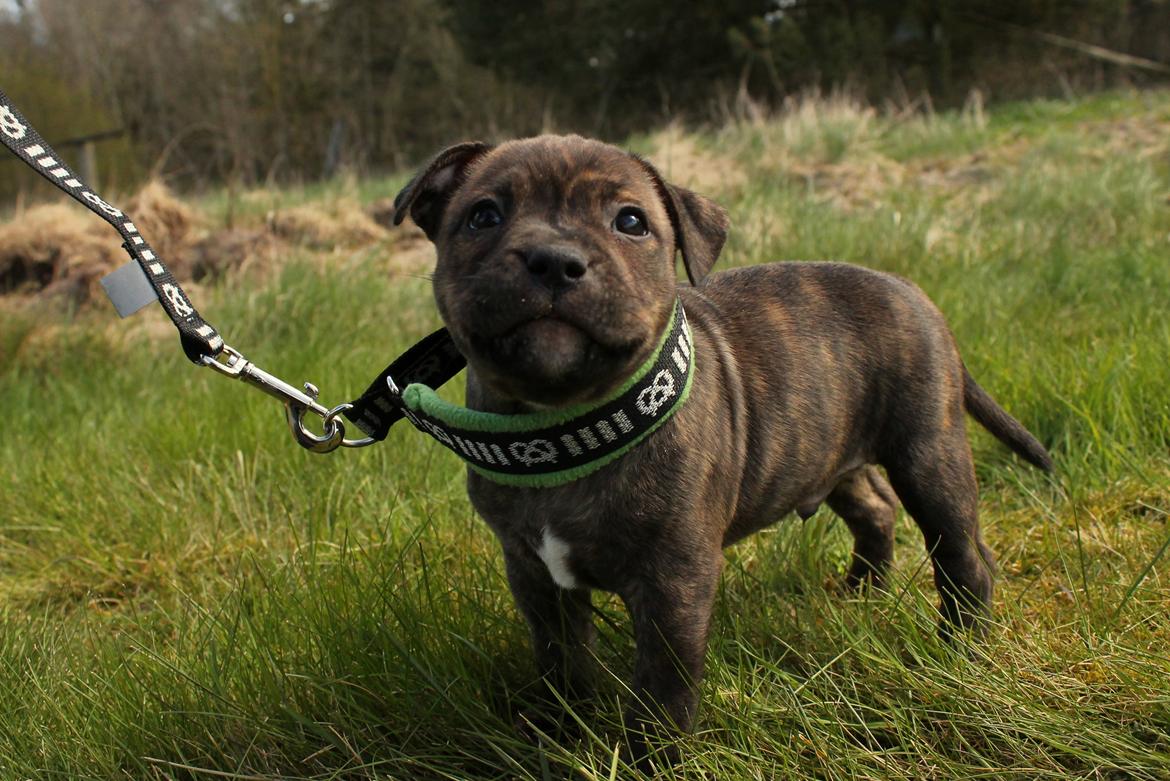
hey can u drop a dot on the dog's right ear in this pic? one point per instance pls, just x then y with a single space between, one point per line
426 195
700 225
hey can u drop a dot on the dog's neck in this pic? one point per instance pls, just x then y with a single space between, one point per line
515 444
482 397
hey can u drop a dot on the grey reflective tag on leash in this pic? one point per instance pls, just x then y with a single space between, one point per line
128 289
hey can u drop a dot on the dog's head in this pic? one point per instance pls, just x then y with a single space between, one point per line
556 271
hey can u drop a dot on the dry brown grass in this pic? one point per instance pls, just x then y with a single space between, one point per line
833 145
1144 136
683 161
341 224
411 253
56 248
60 249
167 222
219 252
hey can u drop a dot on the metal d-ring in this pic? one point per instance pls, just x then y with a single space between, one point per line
334 428
332 419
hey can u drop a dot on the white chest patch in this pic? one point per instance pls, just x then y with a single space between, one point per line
554 552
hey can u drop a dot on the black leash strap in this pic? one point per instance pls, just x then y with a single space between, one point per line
431 362
198 337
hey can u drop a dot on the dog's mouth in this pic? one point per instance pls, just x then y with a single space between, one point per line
552 359
549 348
551 334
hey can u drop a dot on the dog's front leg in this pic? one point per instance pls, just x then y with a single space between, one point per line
560 621
671 608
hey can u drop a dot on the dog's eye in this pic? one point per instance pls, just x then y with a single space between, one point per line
484 214
631 222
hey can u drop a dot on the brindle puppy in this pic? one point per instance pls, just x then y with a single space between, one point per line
556 277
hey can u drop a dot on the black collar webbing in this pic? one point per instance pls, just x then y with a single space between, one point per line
539 449
198 337
432 362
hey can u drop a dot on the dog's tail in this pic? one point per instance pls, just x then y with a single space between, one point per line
1006 429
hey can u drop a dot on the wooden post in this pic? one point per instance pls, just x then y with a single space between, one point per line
89 172
87 164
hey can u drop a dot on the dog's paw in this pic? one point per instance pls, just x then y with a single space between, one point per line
649 746
650 757
854 584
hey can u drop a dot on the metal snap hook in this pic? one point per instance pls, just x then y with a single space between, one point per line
296 403
326 442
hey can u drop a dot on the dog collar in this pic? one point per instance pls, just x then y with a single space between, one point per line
535 449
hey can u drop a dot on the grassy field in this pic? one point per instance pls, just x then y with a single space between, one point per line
186 594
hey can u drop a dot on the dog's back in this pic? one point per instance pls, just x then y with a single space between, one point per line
850 364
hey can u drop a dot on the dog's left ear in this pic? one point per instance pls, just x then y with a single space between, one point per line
426 195
700 225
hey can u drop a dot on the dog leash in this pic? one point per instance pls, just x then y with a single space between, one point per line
533 450
146 278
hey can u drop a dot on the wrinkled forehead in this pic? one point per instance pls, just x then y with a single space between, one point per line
563 172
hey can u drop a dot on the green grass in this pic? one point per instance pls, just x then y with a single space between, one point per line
186 594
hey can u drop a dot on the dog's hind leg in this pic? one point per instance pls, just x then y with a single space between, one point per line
935 479
867 504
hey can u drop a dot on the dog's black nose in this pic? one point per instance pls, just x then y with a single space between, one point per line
555 269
